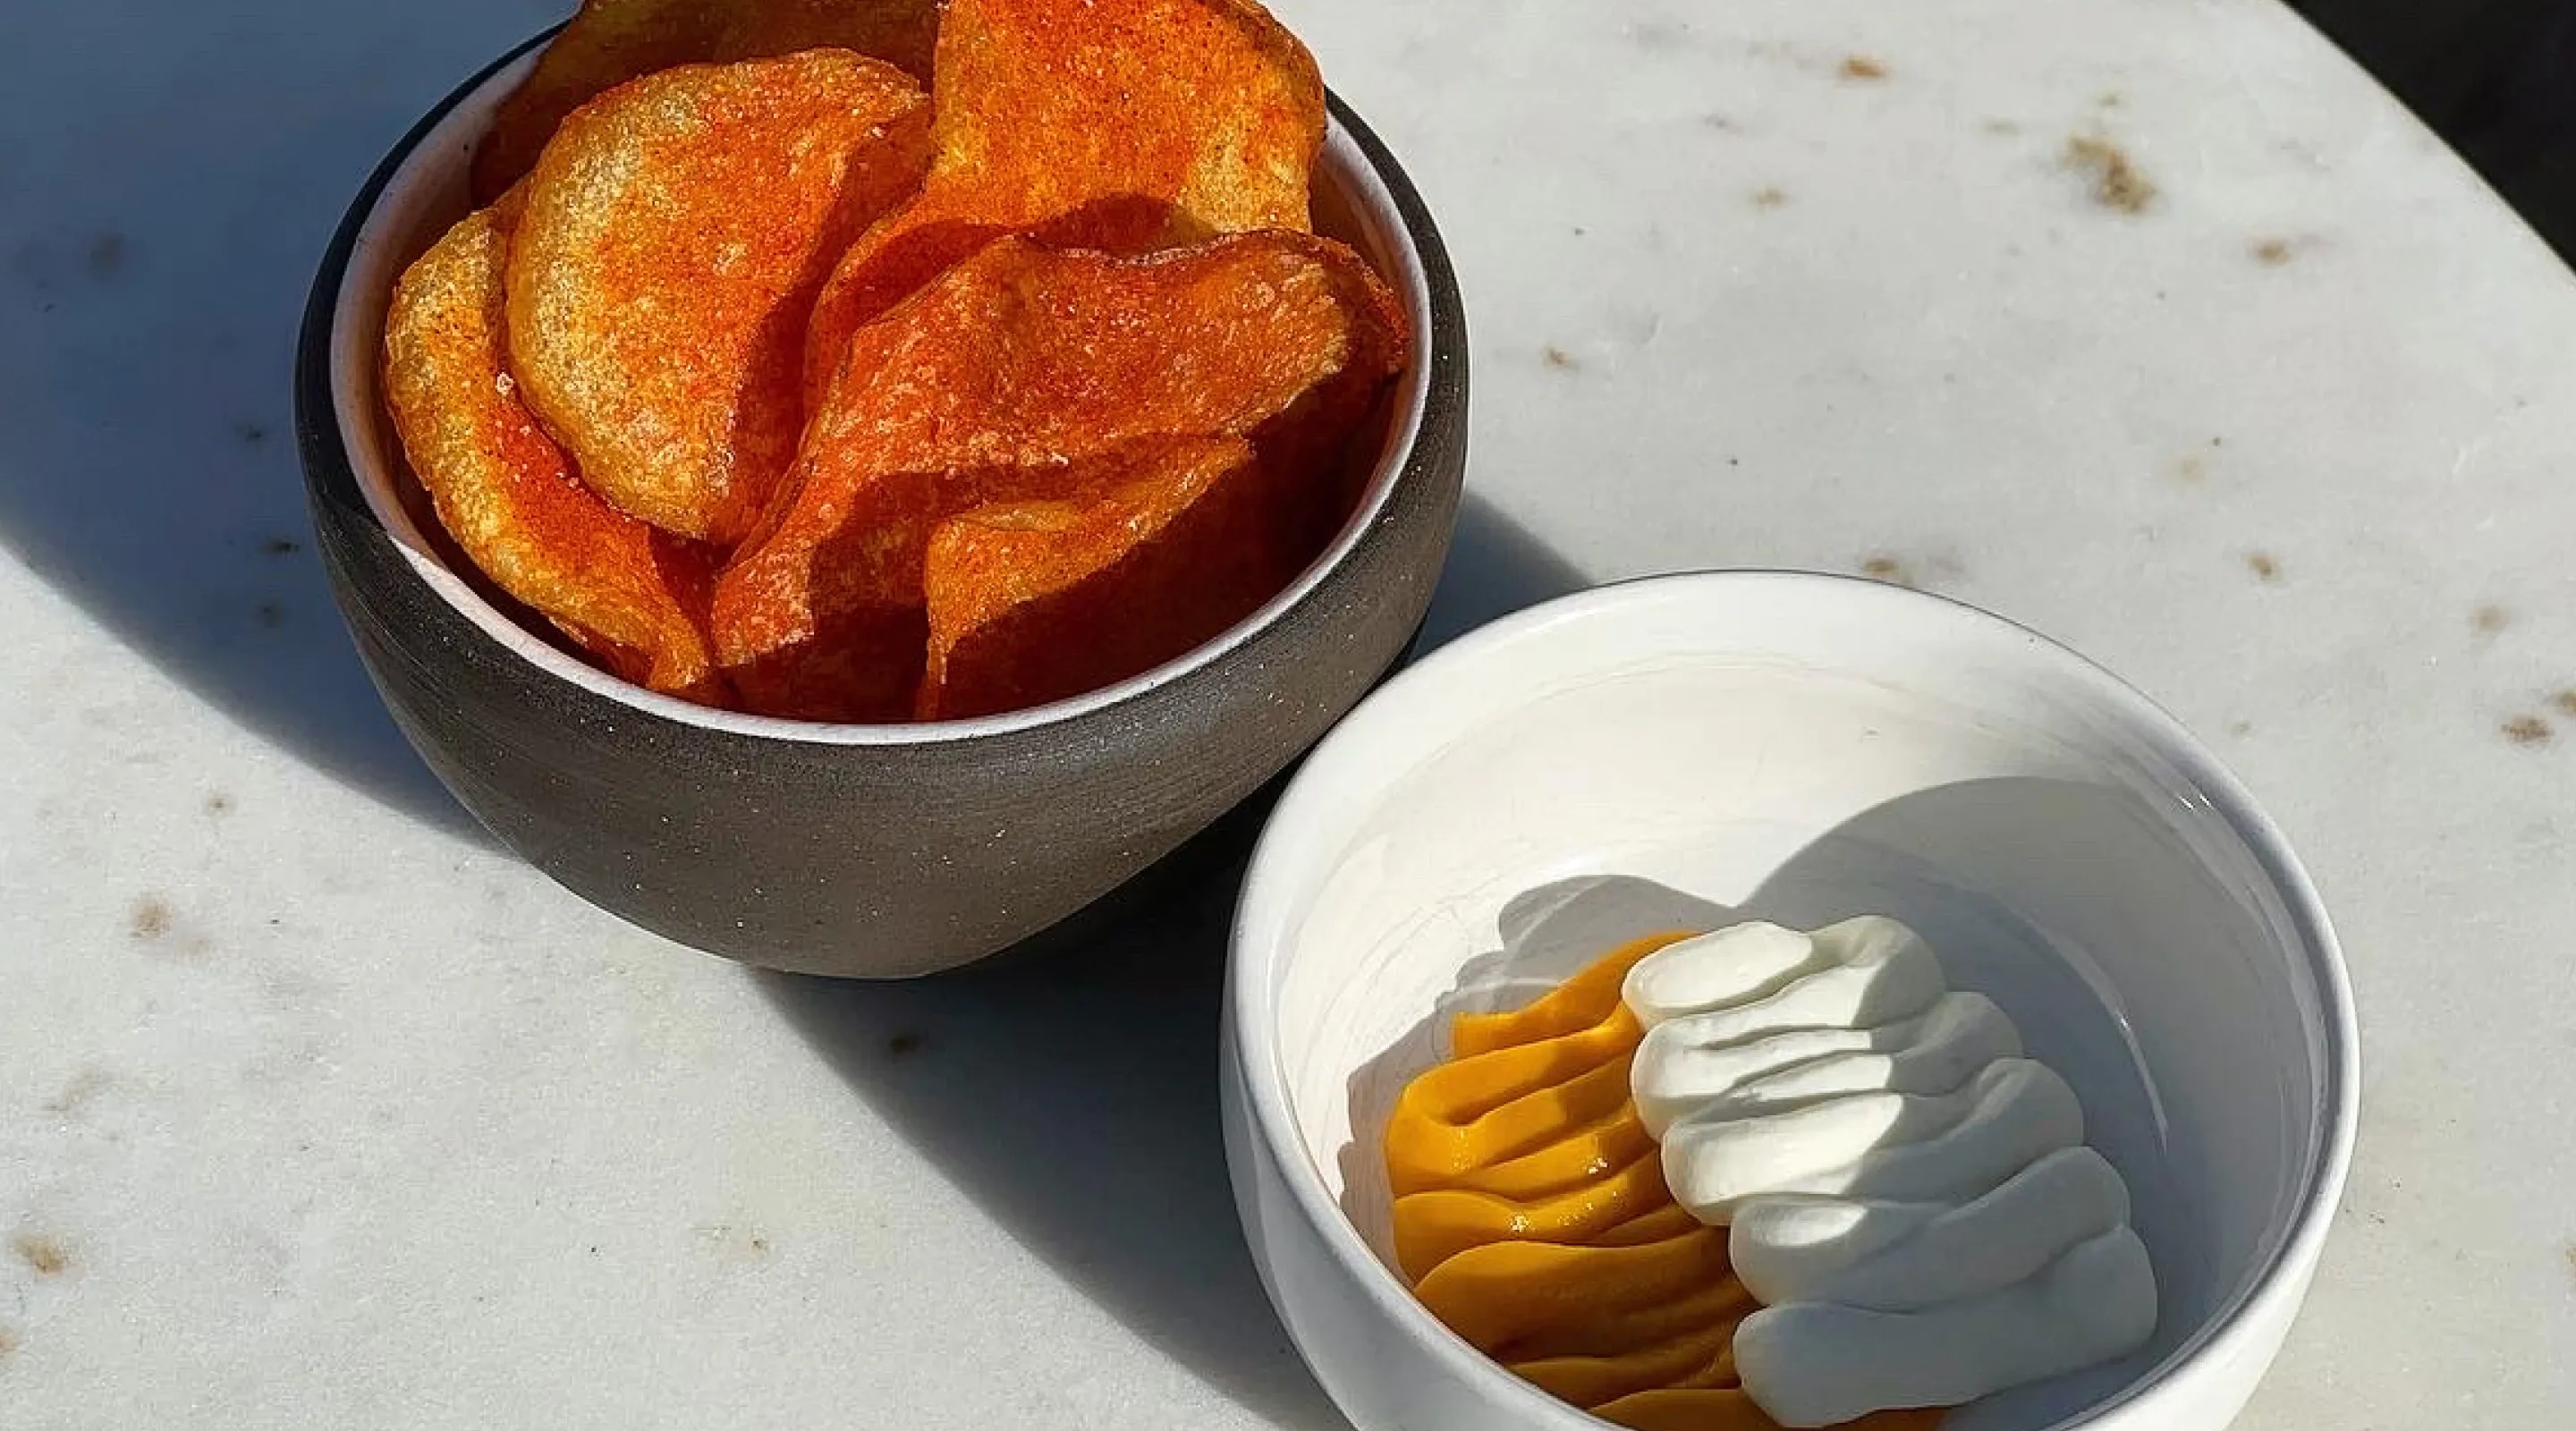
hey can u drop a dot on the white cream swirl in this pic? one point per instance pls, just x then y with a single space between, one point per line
1907 1195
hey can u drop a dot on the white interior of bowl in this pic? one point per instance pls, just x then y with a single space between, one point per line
427 194
1690 749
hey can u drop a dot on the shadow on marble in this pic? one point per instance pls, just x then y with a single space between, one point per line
1496 567
164 196
1069 1085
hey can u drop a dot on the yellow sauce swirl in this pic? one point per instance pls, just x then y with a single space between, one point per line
1532 1217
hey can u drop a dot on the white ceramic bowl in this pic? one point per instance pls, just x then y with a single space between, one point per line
1799 748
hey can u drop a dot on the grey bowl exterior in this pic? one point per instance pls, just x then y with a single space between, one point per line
846 857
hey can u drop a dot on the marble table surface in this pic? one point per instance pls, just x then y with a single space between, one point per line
2151 323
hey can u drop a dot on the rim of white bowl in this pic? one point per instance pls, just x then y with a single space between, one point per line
1253 956
1374 187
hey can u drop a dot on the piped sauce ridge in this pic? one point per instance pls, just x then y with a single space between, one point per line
1532 1217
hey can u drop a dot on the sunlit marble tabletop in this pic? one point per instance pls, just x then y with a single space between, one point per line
2152 323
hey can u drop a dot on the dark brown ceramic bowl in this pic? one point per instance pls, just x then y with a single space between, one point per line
863 850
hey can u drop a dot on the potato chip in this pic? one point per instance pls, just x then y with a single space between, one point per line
1122 125
505 492
1158 546
612 41
991 384
676 231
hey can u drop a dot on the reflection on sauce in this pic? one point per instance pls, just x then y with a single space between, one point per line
1532 1216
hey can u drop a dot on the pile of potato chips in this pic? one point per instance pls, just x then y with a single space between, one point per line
777 382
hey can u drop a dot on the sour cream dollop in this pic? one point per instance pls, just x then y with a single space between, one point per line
1908 1195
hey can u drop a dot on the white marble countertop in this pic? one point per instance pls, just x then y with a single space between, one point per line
317 1109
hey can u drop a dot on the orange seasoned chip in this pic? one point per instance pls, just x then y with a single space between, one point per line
991 384
504 491
1122 125
1156 547
612 41
676 231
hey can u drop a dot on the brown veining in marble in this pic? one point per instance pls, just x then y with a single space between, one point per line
105 256
2118 182
48 1257
77 1094
2527 731
1879 566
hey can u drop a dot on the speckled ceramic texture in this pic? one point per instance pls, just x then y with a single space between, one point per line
866 851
